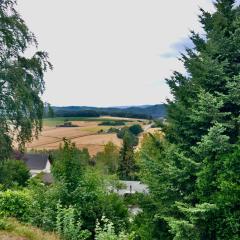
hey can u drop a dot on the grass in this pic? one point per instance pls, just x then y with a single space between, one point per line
95 129
60 120
12 229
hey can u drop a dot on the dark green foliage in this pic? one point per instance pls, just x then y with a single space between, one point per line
13 173
133 140
21 80
127 165
82 113
136 129
191 173
112 123
121 133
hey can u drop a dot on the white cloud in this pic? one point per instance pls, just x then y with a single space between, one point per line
110 52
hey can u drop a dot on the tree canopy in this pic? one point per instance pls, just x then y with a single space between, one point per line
21 80
193 169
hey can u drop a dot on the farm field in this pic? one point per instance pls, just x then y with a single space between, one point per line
59 120
85 135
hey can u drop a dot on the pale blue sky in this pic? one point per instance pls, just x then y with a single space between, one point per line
111 52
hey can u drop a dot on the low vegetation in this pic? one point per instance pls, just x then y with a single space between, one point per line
112 123
13 173
11 229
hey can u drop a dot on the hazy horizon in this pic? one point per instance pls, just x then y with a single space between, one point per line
110 106
111 53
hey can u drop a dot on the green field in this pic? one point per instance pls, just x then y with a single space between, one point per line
60 120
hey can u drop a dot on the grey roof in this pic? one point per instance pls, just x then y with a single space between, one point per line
36 161
133 187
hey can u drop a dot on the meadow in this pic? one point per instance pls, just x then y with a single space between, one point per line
88 133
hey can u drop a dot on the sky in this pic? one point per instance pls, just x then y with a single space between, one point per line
111 52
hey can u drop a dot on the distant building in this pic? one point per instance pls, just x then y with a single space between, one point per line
132 187
37 163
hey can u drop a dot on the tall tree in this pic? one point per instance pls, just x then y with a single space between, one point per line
21 80
127 164
202 136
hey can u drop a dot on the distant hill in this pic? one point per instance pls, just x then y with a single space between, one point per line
144 111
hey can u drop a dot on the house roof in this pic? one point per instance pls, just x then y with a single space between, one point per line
133 187
36 161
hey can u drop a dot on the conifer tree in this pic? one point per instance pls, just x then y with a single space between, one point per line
202 136
126 159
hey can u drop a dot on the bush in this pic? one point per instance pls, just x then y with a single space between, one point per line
15 204
125 132
122 132
136 129
113 130
44 204
13 173
108 159
67 226
69 163
107 231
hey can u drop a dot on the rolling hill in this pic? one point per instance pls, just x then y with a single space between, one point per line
144 111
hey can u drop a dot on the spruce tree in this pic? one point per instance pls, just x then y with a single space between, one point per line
126 159
197 160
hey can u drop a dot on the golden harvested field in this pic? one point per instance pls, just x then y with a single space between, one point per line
84 136
149 130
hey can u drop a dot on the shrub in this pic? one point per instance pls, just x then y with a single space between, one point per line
122 132
113 130
108 158
125 131
15 204
136 129
44 204
13 173
69 163
107 231
4 225
67 226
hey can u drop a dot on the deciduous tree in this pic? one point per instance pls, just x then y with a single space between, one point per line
21 80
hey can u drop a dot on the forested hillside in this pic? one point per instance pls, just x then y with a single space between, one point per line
147 112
